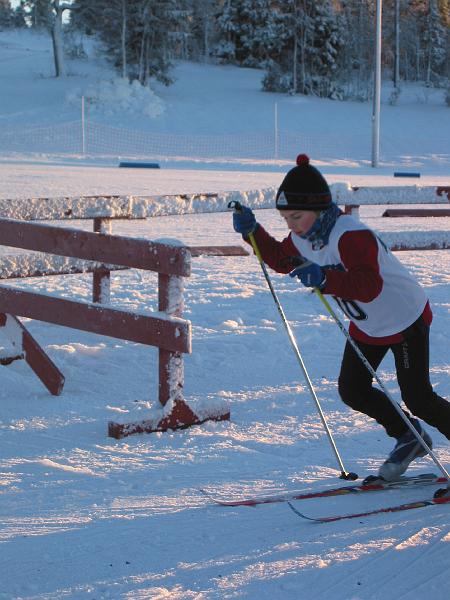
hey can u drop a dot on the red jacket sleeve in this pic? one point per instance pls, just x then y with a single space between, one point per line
361 280
274 253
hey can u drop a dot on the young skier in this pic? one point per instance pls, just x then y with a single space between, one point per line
387 308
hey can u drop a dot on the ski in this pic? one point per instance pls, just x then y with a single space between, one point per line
377 511
418 480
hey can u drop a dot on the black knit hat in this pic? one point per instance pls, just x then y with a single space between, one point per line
303 188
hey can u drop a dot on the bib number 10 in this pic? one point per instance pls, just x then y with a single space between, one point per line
351 309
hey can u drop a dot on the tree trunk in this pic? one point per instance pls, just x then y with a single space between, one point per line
206 21
295 52
397 44
432 9
142 59
124 39
147 60
294 65
58 50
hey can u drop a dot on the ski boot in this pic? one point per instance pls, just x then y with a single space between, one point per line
407 449
442 493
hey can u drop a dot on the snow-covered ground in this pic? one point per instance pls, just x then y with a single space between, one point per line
84 516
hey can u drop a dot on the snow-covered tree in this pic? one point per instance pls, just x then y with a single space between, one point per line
5 13
19 16
425 41
109 20
39 13
158 31
435 42
305 57
246 30
202 28
139 36
355 58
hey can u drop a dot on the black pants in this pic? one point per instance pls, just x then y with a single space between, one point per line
412 366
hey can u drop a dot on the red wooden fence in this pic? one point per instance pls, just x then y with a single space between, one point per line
167 330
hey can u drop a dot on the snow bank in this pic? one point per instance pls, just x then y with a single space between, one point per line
118 96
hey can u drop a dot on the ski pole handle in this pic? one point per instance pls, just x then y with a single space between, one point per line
237 207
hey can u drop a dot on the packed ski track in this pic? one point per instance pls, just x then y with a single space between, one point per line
87 517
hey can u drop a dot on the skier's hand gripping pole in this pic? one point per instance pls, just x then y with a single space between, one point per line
344 473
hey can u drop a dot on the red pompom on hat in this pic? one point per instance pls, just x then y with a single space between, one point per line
302 159
303 188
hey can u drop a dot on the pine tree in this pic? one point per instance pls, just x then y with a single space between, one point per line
40 15
258 32
246 30
326 44
6 14
436 43
355 58
202 28
426 42
305 58
19 17
140 37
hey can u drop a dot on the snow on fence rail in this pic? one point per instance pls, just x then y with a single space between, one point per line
141 207
104 209
166 329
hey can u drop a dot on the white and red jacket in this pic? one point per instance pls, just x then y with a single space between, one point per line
372 287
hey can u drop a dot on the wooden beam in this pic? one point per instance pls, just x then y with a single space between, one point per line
218 251
16 266
34 355
445 189
114 249
180 417
417 212
171 333
405 246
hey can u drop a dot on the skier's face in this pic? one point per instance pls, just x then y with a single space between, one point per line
299 221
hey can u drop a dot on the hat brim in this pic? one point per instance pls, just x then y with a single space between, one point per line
294 201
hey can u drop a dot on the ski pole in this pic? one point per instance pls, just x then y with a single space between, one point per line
344 473
380 383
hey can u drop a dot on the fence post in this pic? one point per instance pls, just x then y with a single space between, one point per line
353 210
83 128
171 367
276 129
101 278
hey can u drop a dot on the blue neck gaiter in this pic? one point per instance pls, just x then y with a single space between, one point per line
319 233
